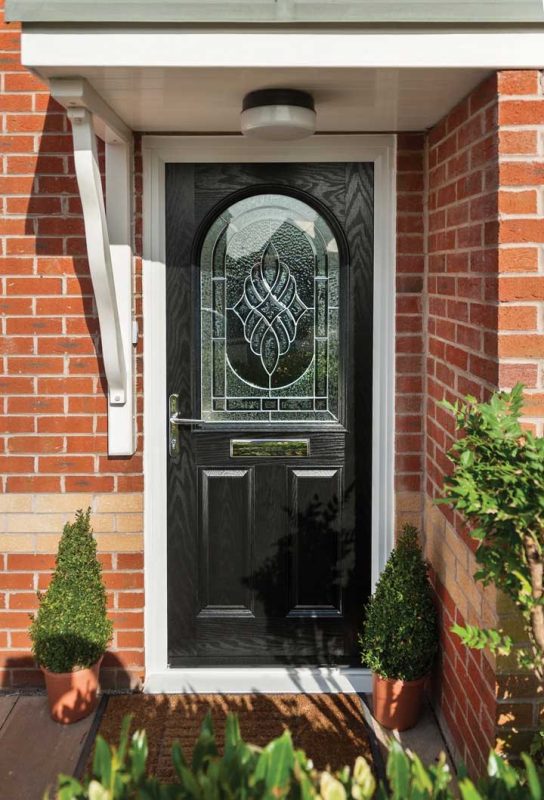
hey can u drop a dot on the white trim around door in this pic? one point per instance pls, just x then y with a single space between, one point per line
158 151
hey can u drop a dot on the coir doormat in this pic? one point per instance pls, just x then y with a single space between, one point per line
330 728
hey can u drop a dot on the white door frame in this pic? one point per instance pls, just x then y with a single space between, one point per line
158 151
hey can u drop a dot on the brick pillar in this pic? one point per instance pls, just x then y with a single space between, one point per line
521 335
485 304
462 164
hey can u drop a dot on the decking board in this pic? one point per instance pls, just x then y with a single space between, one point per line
34 749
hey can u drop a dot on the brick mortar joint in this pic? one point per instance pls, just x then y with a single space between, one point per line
449 532
480 112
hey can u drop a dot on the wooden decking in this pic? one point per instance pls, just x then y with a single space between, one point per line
33 748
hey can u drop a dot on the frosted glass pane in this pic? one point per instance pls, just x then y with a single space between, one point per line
269 334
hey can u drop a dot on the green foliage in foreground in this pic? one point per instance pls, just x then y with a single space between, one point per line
71 629
277 771
400 633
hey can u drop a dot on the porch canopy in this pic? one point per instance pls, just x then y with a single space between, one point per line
371 65
171 66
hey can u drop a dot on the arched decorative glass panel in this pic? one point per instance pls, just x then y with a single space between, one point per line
269 268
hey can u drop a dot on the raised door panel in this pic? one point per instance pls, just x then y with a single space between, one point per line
226 542
316 526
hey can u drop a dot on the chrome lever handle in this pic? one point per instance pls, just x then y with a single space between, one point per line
177 420
174 423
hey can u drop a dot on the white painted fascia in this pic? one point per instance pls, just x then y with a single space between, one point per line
272 12
108 239
77 47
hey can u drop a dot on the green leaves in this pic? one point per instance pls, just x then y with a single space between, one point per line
409 779
138 756
275 767
71 629
331 788
279 771
398 772
67 789
205 747
480 638
400 633
504 782
468 791
533 781
233 737
102 761
363 785
497 484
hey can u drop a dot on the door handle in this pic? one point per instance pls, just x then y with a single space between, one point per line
174 423
177 420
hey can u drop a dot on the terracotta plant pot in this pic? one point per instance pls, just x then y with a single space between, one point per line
397 704
72 695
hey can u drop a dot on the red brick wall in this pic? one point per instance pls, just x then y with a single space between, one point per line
465 685
446 346
521 329
409 314
53 447
485 296
521 265
462 359
462 266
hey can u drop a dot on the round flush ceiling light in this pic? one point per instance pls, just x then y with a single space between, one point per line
278 114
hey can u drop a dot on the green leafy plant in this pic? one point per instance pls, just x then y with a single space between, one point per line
242 772
400 633
279 771
497 484
71 629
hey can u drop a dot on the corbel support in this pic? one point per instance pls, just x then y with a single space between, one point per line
108 237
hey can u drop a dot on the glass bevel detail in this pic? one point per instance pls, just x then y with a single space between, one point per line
269 313
270 309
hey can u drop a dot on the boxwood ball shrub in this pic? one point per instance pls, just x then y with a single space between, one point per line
71 629
400 632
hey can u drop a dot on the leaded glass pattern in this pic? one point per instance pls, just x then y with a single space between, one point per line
269 268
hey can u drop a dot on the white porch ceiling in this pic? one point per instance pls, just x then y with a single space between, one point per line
181 99
176 79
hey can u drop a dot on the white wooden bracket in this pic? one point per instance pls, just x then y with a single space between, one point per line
108 236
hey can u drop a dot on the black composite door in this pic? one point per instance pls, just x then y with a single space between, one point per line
269 343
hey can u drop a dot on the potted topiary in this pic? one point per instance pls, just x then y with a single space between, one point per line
400 635
71 630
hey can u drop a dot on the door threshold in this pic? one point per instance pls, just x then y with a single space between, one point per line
259 680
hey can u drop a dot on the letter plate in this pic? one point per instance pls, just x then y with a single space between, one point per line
269 448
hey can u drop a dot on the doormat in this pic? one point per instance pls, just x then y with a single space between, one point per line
330 728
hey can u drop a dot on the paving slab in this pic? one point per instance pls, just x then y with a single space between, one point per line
425 738
34 749
7 702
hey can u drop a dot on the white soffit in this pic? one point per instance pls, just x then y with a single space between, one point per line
190 80
209 100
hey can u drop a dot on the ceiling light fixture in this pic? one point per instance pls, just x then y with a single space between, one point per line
278 114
